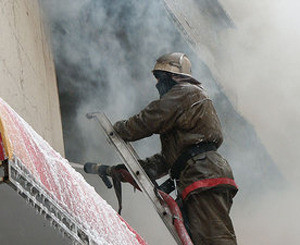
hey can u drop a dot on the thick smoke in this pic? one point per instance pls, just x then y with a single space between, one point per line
260 67
263 64
104 52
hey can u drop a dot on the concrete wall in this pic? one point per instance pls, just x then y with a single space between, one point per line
27 75
28 84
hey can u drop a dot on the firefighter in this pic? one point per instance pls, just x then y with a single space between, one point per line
190 134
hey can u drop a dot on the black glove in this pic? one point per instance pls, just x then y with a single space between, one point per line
118 173
118 167
102 170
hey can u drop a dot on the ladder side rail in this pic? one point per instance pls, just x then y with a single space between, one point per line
130 157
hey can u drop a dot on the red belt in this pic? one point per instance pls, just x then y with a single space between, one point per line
207 183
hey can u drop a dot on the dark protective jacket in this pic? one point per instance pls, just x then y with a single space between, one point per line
184 116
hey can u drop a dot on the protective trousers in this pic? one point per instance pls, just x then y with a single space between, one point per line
208 215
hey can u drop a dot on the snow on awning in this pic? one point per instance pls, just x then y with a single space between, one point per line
59 193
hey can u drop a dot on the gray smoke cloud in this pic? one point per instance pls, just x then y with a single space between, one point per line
104 51
263 64
260 68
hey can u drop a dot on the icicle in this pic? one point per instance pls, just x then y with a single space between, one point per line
26 198
27 185
33 191
31 203
37 209
17 176
74 242
55 225
59 216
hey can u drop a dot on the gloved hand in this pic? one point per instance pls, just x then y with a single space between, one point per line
102 170
118 167
118 173
121 173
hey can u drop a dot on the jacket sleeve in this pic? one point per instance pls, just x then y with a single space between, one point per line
157 118
155 166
